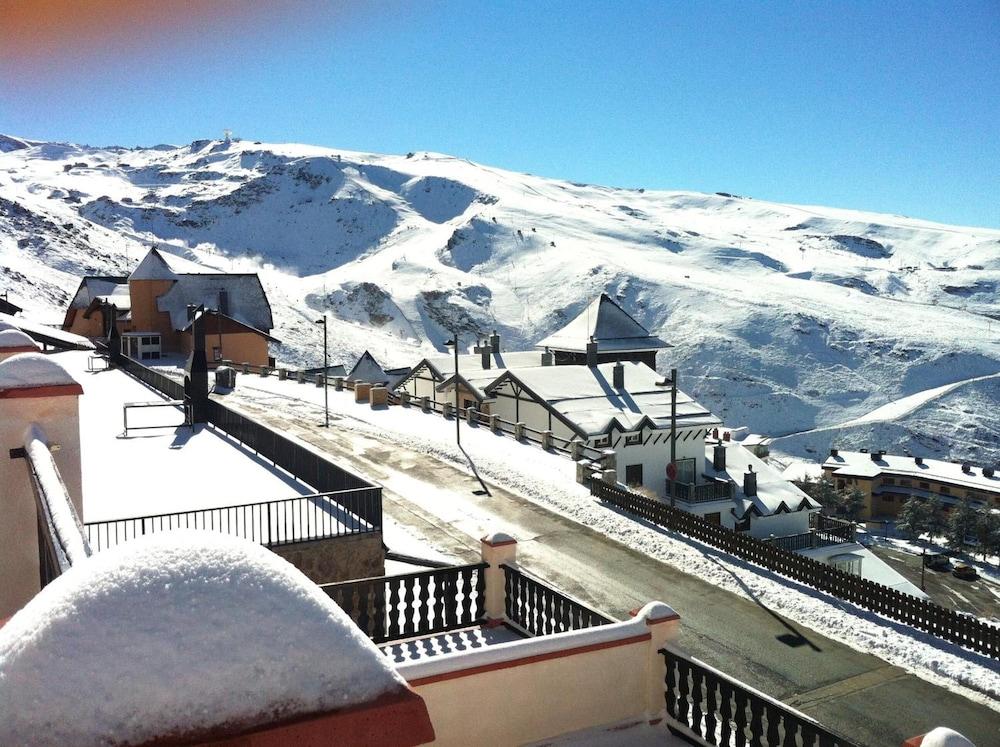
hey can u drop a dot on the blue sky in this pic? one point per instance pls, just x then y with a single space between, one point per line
892 107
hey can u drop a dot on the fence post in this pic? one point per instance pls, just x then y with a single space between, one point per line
338 383
425 404
495 423
404 398
282 374
546 439
470 414
496 549
519 431
246 368
300 376
446 409
319 380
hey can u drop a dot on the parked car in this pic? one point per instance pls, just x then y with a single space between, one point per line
965 572
937 562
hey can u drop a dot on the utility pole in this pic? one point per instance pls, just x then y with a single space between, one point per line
673 434
458 434
326 382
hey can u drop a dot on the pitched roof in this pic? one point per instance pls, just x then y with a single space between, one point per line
775 494
609 325
584 395
368 370
247 302
860 464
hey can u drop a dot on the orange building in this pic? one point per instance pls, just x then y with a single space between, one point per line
151 309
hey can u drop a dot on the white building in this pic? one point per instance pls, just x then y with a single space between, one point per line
621 406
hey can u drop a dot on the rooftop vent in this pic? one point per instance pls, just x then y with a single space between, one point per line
547 357
918 460
834 452
618 376
988 472
484 351
966 467
876 456
750 482
495 341
864 451
591 354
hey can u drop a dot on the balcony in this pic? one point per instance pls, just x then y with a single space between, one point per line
713 489
825 532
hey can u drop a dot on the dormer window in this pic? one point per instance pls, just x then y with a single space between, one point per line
633 439
602 441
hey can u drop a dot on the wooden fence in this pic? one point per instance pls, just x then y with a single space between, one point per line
924 615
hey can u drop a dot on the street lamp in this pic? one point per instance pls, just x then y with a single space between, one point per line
326 367
453 342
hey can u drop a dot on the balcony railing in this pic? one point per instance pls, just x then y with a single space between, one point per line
713 490
269 523
541 610
392 608
826 532
720 710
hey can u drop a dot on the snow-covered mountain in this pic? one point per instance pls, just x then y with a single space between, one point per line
784 318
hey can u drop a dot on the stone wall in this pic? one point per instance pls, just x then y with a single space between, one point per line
338 558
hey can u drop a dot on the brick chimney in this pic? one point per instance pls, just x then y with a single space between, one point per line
719 457
750 482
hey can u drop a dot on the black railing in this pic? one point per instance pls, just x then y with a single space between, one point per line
539 609
722 711
269 523
835 531
172 388
922 614
393 608
715 490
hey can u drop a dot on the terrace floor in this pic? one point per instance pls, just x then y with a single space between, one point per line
454 641
165 469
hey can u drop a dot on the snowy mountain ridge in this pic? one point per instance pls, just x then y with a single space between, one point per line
789 319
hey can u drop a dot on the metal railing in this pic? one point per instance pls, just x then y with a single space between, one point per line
539 609
720 710
269 523
393 608
826 532
714 490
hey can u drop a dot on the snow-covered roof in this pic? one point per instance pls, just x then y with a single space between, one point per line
609 325
368 370
175 637
860 464
471 366
47 335
15 338
113 289
247 302
29 370
585 396
157 265
774 492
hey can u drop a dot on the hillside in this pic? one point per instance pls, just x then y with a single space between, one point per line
784 318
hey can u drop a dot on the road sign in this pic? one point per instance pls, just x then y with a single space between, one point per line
671 471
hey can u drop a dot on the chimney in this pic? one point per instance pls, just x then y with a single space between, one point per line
495 342
727 436
876 456
591 353
618 376
223 301
715 433
988 472
834 452
918 460
864 451
190 311
484 352
750 482
547 357
719 457
966 467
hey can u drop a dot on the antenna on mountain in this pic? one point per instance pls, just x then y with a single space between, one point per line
227 135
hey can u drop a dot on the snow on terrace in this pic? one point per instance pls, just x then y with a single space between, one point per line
174 638
549 480
164 470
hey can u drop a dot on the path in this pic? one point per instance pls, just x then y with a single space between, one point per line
854 693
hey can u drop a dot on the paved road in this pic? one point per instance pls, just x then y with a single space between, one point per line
856 694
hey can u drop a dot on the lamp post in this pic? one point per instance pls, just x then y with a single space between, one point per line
326 367
454 343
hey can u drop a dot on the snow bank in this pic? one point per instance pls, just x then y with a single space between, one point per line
26 370
174 635
15 338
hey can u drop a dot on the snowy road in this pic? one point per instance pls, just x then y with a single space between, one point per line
747 632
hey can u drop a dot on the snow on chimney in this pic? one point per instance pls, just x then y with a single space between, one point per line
750 482
618 376
591 353
719 457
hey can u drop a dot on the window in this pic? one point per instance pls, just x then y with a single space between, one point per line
840 484
945 490
602 441
685 470
633 439
888 481
467 403
155 355
147 340
146 355
906 483
714 518
633 475
924 486
216 353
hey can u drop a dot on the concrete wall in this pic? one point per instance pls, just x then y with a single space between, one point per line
654 456
338 558
59 417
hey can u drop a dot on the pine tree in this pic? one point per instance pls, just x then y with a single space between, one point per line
988 533
961 524
852 503
825 494
936 521
913 518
